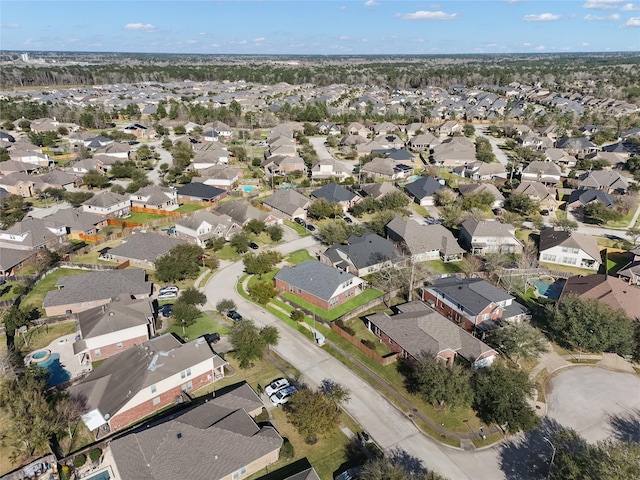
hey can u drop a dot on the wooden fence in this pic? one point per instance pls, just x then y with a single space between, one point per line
122 223
391 358
155 211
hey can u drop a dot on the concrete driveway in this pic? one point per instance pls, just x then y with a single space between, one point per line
592 400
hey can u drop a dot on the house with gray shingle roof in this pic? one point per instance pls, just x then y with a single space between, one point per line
11 260
156 197
77 293
319 284
378 190
204 226
605 180
423 190
108 204
32 233
288 202
418 331
569 248
423 242
146 378
489 236
469 189
212 441
243 213
364 254
543 172
142 249
334 193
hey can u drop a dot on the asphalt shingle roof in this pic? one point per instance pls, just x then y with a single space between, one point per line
334 193
147 246
200 190
474 294
423 187
364 251
316 278
424 238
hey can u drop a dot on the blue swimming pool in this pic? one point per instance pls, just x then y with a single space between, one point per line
104 475
58 374
248 188
546 289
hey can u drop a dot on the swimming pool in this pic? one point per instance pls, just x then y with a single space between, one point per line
104 475
413 178
248 188
548 289
58 374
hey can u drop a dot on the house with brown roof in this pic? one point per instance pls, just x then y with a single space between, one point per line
540 193
220 176
469 189
144 379
142 249
569 248
489 236
242 213
113 328
418 331
289 202
612 291
204 226
108 204
423 242
215 440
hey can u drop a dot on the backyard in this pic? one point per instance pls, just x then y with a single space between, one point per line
35 298
365 297
144 217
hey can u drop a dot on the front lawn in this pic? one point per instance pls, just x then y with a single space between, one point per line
35 298
227 253
208 322
188 207
299 256
300 230
337 312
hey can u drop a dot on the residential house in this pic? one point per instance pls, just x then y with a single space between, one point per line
76 221
137 130
200 192
40 125
242 213
220 176
569 248
113 328
560 157
329 168
454 152
383 169
416 128
279 165
20 184
612 291
97 142
32 233
356 128
631 271
580 198
362 255
469 189
144 379
209 154
108 204
418 331
288 202
489 236
378 190
543 172
424 141
423 242
423 190
33 156
605 180
319 284
482 171
328 128
121 151
59 180
13 260
449 128
538 192
78 293
155 197
215 440
578 146
142 249
471 301
11 166
204 226
222 128
334 193
385 128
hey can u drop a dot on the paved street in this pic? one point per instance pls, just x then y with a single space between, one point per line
500 155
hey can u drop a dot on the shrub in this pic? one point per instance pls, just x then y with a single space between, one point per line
65 473
79 460
370 344
95 454
18 289
297 315
346 327
287 452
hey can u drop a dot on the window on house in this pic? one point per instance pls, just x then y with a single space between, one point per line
292 289
96 352
119 345
153 389
187 386
188 372
299 290
156 401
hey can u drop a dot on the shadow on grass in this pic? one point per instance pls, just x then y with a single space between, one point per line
626 428
288 470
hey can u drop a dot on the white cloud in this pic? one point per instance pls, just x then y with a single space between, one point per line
526 44
491 45
630 7
427 15
341 8
540 48
598 18
586 44
344 37
632 22
602 4
370 3
9 25
242 42
543 17
259 39
145 27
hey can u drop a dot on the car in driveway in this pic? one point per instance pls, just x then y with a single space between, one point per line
233 315
349 474
347 219
254 245
300 221
310 227
167 295
276 385
169 288
212 337
166 310
282 396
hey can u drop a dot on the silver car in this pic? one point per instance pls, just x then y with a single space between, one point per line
282 396
276 385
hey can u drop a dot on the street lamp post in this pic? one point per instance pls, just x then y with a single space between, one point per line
553 455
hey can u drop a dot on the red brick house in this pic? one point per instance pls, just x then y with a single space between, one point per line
144 379
417 330
470 301
319 284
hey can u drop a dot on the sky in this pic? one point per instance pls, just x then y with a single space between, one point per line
325 27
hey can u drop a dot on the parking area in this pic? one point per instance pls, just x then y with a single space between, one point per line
592 400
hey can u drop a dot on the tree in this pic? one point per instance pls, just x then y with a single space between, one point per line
4 155
366 205
390 468
185 314
240 242
270 335
521 204
519 341
94 179
182 261
193 296
275 233
14 318
262 292
501 395
565 224
261 263
248 344
394 201
77 198
587 323
255 226
380 220
69 410
448 386
479 200
320 209
598 213
445 196
11 210
225 305
312 414
634 233
182 155
339 231
33 418
469 130
334 391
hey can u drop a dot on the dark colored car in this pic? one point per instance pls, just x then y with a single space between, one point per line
212 337
347 219
545 213
233 315
300 221
166 310
254 245
310 227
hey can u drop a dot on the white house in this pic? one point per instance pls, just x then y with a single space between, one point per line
204 226
569 248
108 204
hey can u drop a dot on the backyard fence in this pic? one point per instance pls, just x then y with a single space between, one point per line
155 211
387 360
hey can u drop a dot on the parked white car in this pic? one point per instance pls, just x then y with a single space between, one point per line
169 288
282 396
276 385
167 295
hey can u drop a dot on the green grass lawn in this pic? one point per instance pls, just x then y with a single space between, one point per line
189 207
626 219
366 296
419 209
438 266
617 260
565 268
363 333
8 290
208 322
35 298
299 256
300 230
267 276
143 217
42 335
92 256
227 253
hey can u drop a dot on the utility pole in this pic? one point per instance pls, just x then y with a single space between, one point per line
411 278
